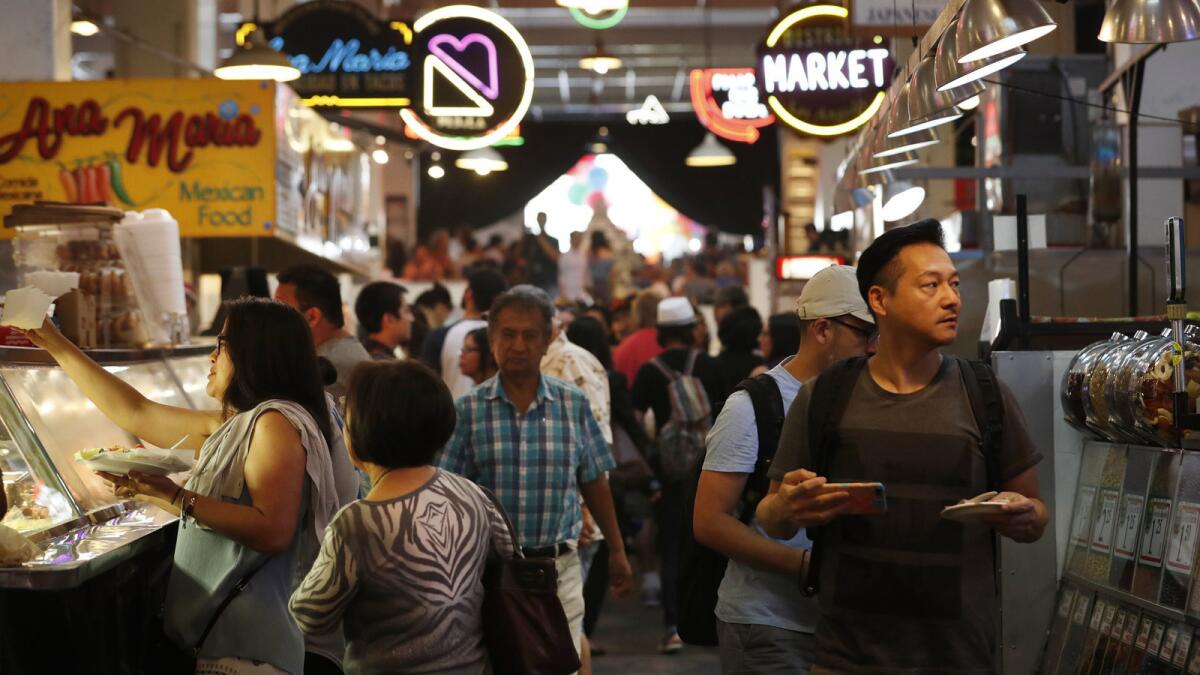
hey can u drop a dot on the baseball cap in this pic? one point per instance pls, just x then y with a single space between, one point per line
675 312
833 292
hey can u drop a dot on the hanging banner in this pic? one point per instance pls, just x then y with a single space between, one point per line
887 17
346 56
727 102
202 149
819 79
473 78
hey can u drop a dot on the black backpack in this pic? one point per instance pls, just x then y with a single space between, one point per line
830 396
701 569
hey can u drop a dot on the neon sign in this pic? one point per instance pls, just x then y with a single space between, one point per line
346 56
599 20
819 79
476 78
726 101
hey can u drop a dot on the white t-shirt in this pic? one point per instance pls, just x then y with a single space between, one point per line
572 271
452 375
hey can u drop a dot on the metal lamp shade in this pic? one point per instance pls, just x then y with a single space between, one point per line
1151 21
955 79
988 28
928 105
255 60
899 135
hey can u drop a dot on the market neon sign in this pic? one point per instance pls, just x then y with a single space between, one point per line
726 101
469 99
821 81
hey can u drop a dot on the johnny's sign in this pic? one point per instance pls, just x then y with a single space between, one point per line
817 77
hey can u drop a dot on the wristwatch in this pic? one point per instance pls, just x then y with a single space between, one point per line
189 503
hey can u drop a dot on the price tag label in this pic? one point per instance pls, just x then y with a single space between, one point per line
1181 547
1118 624
1081 608
1083 514
1168 648
1156 639
1064 605
1106 516
1109 613
1130 628
1144 634
1194 665
1154 534
1183 648
1098 615
1127 527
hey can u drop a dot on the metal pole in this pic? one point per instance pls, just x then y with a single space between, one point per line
1135 77
1023 258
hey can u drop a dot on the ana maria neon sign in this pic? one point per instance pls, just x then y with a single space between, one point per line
476 78
727 101
343 56
817 78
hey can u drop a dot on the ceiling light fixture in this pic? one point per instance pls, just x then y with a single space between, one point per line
950 76
84 27
482 161
599 60
1151 21
900 199
900 123
436 171
255 60
709 153
907 159
969 104
988 28
380 156
928 107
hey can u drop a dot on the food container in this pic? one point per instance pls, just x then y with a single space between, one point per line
1120 389
1146 388
1095 404
1074 384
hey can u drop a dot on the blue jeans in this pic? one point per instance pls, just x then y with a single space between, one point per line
753 649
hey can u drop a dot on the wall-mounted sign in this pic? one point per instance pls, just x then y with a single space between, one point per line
602 20
346 57
204 149
474 78
726 101
650 112
803 267
887 17
818 78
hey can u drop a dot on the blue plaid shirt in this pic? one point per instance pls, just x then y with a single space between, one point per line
535 462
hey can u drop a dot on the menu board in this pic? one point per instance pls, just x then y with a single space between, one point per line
1156 524
1104 514
1180 555
1129 518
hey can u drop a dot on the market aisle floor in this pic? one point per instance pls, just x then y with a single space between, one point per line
631 633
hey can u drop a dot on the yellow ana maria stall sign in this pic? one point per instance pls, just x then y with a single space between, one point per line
202 149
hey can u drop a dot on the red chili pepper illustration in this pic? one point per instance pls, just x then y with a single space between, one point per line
69 185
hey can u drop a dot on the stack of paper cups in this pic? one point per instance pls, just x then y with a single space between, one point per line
153 237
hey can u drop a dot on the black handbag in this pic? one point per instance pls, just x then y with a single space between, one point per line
525 628
168 658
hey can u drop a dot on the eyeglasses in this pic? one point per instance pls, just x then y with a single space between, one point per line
221 342
868 334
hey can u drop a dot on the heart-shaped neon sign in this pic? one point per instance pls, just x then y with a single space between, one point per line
439 44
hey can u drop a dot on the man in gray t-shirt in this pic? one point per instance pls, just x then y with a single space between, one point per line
316 294
907 591
764 623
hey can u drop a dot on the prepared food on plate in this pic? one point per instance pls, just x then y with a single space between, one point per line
121 460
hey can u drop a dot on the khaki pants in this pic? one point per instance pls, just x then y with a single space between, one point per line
570 592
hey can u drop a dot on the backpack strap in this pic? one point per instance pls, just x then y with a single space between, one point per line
693 354
827 403
767 400
983 392
668 372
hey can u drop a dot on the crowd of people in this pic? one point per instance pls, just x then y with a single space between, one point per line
352 489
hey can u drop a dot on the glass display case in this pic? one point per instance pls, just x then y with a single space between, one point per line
70 512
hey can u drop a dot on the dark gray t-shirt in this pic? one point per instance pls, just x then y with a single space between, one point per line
907 591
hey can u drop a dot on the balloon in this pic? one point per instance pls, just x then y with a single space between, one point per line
577 193
598 178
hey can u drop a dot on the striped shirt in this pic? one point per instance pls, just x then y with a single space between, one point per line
535 462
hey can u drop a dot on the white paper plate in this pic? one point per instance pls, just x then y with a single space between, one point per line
147 460
971 512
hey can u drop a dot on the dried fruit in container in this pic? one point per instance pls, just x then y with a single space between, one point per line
1073 388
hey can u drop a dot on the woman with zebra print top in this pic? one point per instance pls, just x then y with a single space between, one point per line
402 568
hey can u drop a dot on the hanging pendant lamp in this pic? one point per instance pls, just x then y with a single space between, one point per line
255 60
950 74
482 161
901 198
928 107
1151 21
988 28
710 152
901 133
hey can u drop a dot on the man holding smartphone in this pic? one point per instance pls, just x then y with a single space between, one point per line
906 591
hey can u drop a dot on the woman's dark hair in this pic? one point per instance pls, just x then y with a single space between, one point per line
417 333
273 357
685 334
588 332
740 329
487 361
400 413
785 329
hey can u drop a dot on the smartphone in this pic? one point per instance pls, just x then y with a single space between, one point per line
865 498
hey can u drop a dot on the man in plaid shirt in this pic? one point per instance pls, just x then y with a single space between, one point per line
533 441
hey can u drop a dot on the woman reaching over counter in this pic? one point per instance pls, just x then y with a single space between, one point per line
263 489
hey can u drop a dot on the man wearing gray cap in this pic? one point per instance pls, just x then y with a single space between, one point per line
657 388
764 623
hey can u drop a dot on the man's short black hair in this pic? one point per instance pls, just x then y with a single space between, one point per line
316 287
391 400
877 265
486 285
733 296
437 295
685 334
376 299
